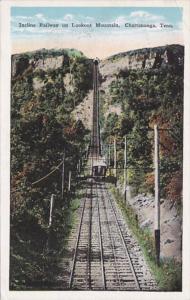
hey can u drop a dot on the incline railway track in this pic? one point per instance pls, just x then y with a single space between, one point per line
104 255
95 147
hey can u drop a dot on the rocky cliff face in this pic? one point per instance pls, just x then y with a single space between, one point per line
47 63
117 65
147 58
42 59
21 64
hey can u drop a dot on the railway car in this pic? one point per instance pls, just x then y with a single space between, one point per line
96 61
99 169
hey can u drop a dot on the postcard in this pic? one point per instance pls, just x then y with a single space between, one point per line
94 149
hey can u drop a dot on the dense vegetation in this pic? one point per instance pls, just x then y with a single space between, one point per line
148 97
41 131
142 98
169 273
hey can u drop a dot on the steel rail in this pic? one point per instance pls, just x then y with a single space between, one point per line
111 239
95 138
90 238
77 244
101 244
123 241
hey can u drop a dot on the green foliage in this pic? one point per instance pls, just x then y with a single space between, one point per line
41 130
148 97
81 70
169 273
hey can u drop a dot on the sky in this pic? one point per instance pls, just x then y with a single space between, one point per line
93 41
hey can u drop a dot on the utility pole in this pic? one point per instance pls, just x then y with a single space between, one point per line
71 79
157 193
49 239
63 175
69 185
109 155
125 169
109 158
51 209
79 166
115 159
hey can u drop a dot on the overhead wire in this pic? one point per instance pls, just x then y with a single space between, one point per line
42 178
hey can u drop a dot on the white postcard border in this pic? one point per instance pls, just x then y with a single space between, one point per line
5 157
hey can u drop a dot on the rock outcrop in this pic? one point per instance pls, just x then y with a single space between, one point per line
19 64
22 63
170 221
147 58
110 68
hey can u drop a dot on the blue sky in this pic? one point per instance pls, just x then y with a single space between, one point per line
171 14
92 14
120 15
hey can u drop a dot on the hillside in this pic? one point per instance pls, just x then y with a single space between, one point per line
46 86
138 89
51 109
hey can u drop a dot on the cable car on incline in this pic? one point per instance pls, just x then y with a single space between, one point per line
99 169
96 61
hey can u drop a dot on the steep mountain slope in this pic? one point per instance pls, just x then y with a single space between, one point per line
46 86
138 89
51 111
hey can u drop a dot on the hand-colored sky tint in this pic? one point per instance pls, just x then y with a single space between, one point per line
107 40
